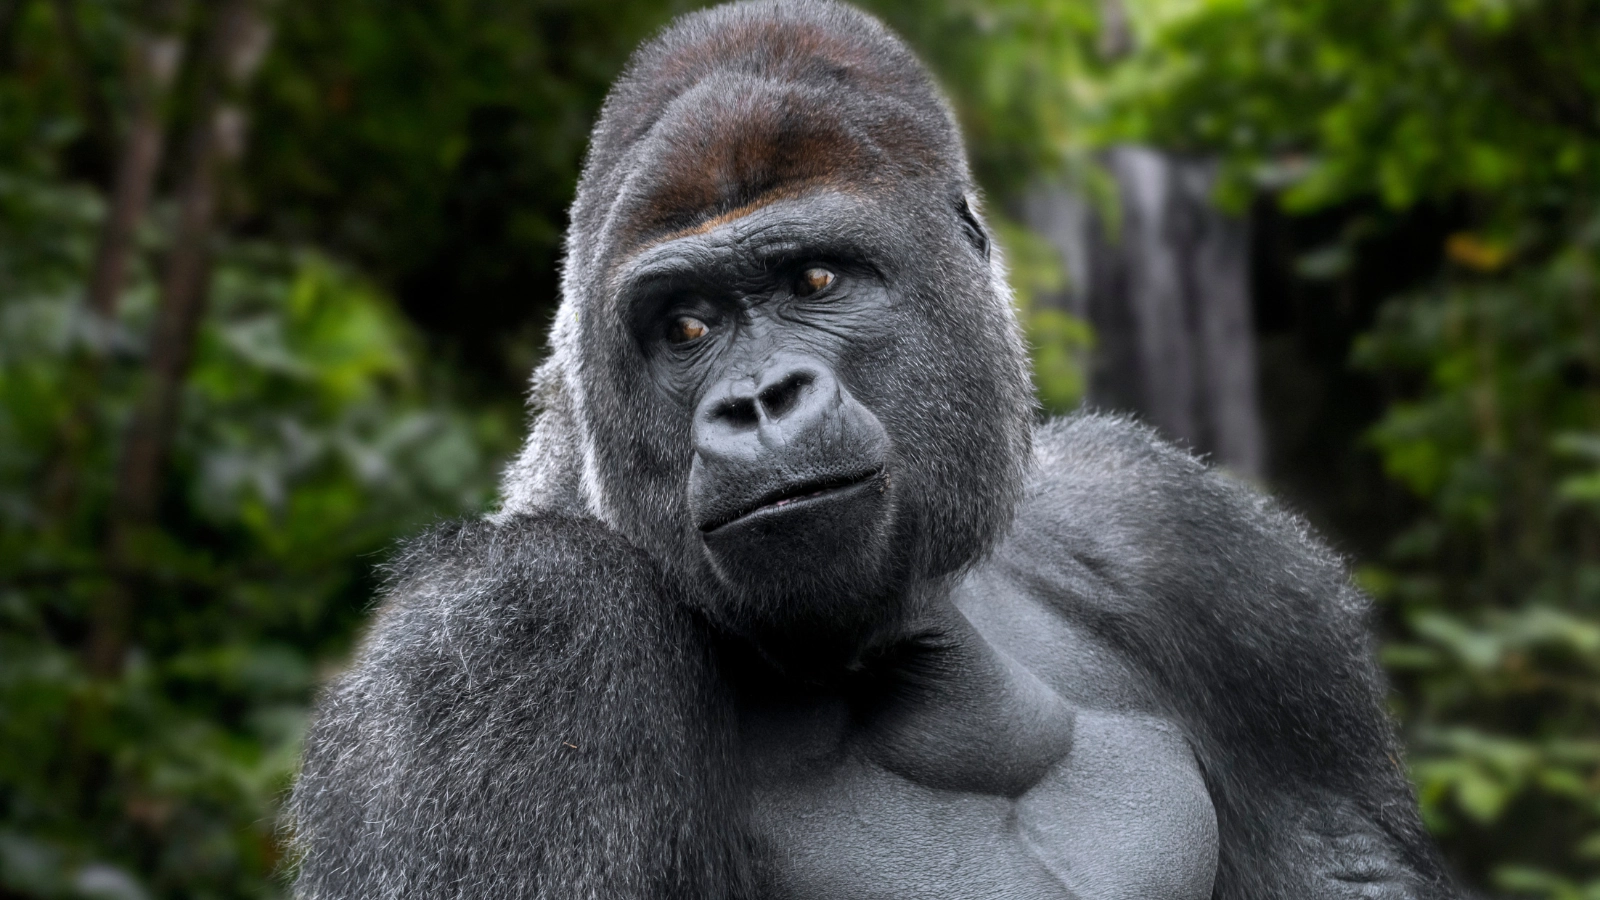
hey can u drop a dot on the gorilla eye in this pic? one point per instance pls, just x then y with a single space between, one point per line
685 329
813 280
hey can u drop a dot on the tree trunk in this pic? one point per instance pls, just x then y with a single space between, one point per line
238 41
153 58
10 15
154 53
1168 294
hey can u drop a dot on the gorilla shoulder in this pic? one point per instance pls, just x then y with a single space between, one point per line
1199 577
1114 491
1235 623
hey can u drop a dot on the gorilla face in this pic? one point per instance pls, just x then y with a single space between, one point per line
798 356
762 336
792 368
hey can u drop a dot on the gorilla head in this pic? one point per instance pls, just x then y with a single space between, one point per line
785 355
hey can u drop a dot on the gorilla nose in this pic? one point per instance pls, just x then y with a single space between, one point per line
773 408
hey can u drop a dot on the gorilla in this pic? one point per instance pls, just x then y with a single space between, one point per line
792 595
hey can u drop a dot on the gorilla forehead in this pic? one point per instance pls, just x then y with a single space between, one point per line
737 105
733 143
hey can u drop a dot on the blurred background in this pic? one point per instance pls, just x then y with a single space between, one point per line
273 276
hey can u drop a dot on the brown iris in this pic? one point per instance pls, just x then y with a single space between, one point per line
813 280
685 329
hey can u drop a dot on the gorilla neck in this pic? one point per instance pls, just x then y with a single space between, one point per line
832 649
927 707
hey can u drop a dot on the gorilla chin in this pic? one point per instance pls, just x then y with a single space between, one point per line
807 565
805 539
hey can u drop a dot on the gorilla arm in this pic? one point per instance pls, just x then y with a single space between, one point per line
1258 647
532 715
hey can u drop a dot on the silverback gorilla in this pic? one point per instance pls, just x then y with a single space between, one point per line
791 596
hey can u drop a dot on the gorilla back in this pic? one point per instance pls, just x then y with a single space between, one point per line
790 597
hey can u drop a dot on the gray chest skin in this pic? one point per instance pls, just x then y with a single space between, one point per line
1028 761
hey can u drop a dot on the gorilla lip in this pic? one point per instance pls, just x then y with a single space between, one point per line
792 494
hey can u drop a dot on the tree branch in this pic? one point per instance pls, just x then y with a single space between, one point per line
238 41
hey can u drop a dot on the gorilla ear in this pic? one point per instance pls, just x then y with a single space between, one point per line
974 229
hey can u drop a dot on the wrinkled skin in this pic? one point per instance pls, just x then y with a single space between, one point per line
792 597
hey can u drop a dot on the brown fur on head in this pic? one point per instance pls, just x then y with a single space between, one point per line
734 106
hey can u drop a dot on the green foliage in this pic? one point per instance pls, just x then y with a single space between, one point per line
311 441
438 143
1499 583
1059 343
1491 108
1405 100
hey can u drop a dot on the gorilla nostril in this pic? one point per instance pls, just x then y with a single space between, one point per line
738 411
778 399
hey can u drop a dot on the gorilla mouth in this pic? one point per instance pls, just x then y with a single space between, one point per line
791 494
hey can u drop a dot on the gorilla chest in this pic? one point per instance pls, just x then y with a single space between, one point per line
843 812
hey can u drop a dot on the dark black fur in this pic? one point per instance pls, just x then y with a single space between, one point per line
545 705
532 716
